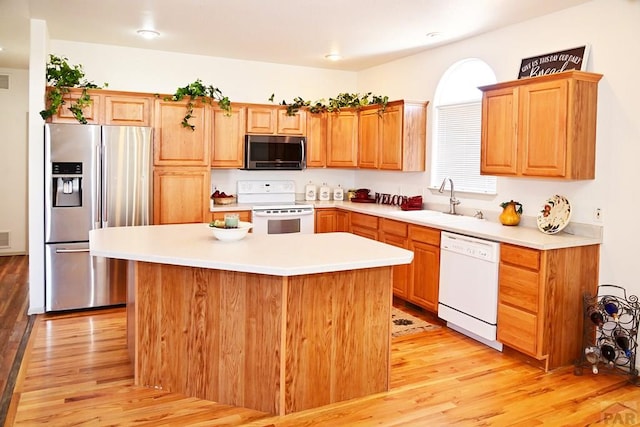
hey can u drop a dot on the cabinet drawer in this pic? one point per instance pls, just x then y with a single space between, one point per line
517 329
424 234
525 257
519 287
396 228
362 220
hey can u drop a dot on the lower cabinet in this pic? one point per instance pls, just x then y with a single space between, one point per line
424 270
325 220
180 195
364 225
329 220
395 233
540 300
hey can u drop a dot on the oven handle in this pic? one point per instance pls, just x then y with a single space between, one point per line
288 215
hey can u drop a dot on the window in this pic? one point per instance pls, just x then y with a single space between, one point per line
456 136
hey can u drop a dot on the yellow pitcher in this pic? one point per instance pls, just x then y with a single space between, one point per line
511 212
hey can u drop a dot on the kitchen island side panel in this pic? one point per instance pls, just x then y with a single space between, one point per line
209 334
338 336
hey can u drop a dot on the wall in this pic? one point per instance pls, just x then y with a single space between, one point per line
13 160
608 26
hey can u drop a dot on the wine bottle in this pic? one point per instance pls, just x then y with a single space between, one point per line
611 308
609 353
592 354
596 317
622 341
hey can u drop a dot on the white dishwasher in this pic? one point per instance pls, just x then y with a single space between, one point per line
468 294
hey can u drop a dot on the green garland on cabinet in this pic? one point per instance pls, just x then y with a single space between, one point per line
61 77
198 91
342 100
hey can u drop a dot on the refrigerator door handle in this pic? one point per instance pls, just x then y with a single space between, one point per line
97 219
104 195
71 251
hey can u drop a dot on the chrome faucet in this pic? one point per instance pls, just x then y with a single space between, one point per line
452 199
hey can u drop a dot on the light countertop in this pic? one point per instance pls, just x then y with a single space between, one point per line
528 236
279 255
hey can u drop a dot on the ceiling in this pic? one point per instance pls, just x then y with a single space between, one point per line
295 32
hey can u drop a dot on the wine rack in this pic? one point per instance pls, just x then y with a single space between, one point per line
610 333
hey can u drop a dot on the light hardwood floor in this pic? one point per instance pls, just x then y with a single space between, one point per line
76 372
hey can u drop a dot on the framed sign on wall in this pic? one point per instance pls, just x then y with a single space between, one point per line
555 62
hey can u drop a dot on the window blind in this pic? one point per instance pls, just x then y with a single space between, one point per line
457 148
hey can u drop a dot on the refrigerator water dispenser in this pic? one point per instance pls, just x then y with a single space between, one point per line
67 189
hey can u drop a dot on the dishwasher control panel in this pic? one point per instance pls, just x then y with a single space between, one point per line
470 246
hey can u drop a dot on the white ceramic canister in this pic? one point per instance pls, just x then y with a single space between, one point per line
338 194
310 191
325 192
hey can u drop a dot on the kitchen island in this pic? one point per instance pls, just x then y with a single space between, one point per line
276 323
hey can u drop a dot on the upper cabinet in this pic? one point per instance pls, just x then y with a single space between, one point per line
92 112
394 139
227 148
342 139
175 144
541 127
316 140
109 108
275 120
127 110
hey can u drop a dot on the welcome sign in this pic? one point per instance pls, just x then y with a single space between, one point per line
556 62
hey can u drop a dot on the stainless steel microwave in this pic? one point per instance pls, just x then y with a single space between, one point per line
272 152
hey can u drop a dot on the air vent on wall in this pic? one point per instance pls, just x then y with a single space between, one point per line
4 240
4 81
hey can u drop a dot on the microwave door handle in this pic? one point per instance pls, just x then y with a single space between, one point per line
304 156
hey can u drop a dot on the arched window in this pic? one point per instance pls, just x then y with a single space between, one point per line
456 136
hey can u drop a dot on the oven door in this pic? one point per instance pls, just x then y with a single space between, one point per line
282 223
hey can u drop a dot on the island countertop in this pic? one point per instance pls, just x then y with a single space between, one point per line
193 245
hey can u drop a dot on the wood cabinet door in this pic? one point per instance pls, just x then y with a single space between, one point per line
291 125
261 120
92 112
325 220
180 195
175 144
342 139
542 135
316 140
369 135
499 142
227 145
425 275
401 276
392 138
342 221
128 110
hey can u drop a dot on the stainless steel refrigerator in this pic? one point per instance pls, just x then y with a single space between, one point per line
95 176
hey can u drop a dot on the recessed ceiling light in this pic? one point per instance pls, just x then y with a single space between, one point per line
1 48
148 34
333 57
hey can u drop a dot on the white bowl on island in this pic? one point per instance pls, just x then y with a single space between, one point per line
231 234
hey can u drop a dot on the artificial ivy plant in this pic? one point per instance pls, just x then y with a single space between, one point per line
198 91
342 100
61 77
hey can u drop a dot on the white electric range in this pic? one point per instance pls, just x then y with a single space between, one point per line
274 208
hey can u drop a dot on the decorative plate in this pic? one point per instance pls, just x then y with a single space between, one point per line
554 215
